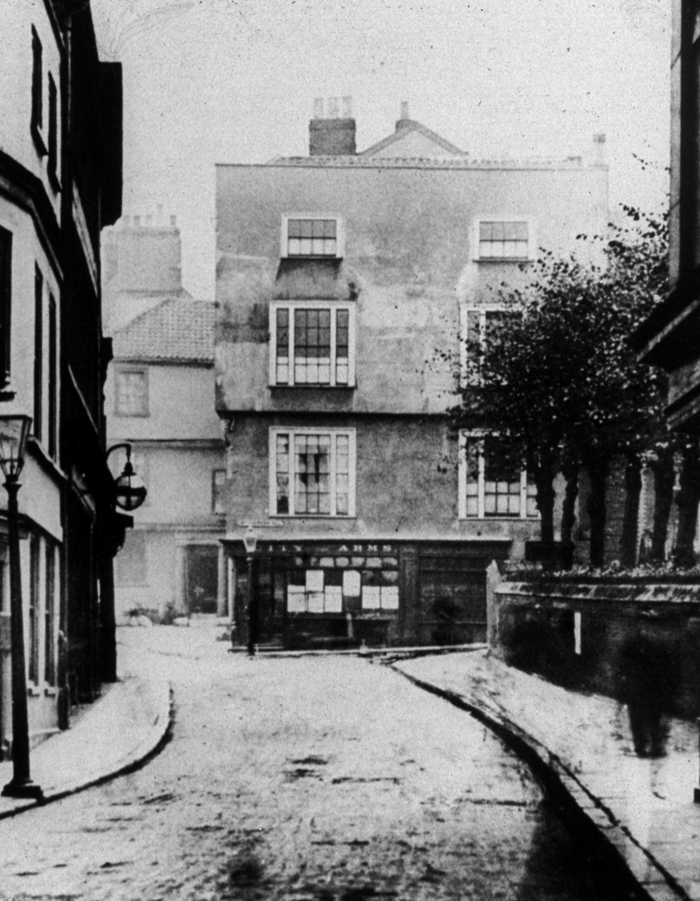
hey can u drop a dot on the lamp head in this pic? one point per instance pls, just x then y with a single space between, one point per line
14 430
250 540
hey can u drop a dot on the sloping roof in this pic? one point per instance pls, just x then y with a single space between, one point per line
177 329
408 126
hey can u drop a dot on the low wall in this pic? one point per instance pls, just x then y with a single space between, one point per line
590 636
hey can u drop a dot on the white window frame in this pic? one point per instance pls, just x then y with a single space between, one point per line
339 240
292 432
531 239
478 435
483 310
123 370
292 306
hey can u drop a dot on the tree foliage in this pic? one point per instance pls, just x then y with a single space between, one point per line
557 376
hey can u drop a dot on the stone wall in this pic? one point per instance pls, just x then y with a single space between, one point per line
581 635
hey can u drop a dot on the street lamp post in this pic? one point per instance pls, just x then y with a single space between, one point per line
127 492
250 540
13 439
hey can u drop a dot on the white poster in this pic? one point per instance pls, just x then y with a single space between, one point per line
296 599
390 598
314 580
333 599
351 583
370 597
315 601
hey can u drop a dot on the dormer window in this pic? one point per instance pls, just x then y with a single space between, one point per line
504 239
312 236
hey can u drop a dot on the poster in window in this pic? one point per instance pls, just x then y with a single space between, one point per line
390 597
315 600
370 597
314 580
296 599
351 583
334 599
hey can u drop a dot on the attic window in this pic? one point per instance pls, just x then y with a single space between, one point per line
508 239
311 236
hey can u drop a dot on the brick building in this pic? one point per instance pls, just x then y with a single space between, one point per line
341 277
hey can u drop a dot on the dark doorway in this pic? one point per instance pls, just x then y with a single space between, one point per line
201 579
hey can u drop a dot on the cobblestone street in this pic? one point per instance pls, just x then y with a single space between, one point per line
301 778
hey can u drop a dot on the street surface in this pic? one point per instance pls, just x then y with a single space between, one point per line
303 779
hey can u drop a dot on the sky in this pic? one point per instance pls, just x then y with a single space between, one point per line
234 81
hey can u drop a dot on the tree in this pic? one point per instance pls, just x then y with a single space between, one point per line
559 379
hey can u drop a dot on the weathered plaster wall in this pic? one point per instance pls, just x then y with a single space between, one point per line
406 483
409 252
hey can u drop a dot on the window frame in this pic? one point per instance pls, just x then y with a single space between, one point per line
479 435
38 425
52 161
125 370
5 306
339 241
218 492
292 432
37 106
531 239
292 306
483 310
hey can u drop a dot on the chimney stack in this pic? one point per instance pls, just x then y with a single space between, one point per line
599 150
332 135
404 118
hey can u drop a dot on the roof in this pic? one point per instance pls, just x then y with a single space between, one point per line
406 127
177 330
390 162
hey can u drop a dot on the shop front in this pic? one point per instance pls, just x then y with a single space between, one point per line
335 594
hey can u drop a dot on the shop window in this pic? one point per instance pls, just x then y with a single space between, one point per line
312 344
34 609
492 483
50 613
312 472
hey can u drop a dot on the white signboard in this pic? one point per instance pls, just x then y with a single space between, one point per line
334 599
370 597
314 580
296 599
315 599
390 598
351 583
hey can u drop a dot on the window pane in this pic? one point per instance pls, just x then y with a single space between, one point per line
312 237
131 393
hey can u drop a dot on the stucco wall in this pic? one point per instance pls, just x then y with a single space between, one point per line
409 251
406 483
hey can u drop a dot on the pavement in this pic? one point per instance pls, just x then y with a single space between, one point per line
114 735
643 807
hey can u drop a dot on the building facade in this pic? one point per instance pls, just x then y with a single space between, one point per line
669 337
60 183
346 285
160 399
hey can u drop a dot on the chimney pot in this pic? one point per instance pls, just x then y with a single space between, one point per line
173 221
347 107
318 108
404 110
333 108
